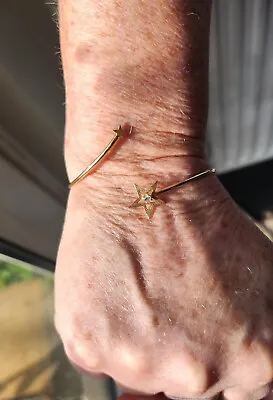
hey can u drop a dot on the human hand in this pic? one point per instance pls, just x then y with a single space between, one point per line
181 304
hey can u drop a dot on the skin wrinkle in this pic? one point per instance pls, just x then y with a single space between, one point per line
142 150
140 145
111 205
164 119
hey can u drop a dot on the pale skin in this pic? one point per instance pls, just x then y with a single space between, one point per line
181 304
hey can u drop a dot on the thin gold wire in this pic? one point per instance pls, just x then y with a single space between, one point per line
118 134
176 185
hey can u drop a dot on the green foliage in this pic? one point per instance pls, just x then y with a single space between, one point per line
11 273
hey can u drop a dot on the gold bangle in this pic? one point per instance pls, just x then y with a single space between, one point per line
118 134
148 198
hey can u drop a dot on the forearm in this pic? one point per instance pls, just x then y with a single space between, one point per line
179 305
138 62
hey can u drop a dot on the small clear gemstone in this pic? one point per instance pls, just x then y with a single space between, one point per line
147 198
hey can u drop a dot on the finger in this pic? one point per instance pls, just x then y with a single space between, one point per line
261 393
186 398
235 394
238 394
157 397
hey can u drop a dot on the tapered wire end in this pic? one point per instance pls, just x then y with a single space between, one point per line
71 184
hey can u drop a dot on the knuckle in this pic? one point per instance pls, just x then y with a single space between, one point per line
194 380
135 361
235 394
261 393
197 379
79 344
264 367
268 373
188 377
82 354
198 387
254 367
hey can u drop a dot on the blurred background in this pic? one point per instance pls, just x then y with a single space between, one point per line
33 183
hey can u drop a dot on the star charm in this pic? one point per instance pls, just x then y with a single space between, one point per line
147 199
121 132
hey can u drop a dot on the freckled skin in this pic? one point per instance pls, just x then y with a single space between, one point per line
215 303
83 52
194 314
155 320
181 304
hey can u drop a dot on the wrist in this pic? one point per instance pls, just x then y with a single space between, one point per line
140 153
139 160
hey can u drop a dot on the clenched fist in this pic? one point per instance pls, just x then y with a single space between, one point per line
181 304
